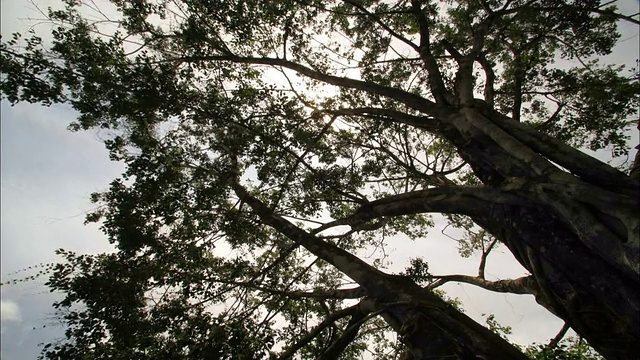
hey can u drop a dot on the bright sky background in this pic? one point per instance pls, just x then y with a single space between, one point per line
49 172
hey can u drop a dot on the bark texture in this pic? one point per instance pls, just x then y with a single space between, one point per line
577 235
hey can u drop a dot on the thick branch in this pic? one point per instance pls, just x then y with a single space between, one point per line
634 172
466 200
438 88
446 199
526 158
465 81
579 163
470 336
518 82
451 50
490 79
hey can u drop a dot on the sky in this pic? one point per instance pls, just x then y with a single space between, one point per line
48 173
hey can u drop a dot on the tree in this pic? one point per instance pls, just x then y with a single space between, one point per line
249 195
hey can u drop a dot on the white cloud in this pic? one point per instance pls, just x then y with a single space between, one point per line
9 311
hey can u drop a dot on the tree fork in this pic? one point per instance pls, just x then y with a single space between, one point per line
567 270
444 331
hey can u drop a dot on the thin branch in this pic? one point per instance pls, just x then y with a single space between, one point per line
353 293
382 24
287 178
600 11
349 334
553 118
556 339
349 264
490 79
483 259
412 100
521 285
596 10
388 12
288 354
422 122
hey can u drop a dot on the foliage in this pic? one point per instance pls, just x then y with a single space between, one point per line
264 159
567 349
493 324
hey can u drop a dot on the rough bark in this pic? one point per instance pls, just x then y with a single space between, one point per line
586 270
570 277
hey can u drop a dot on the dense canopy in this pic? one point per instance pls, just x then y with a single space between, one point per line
270 144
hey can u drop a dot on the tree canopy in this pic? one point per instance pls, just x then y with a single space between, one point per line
269 143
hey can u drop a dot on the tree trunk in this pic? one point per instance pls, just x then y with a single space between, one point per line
590 283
